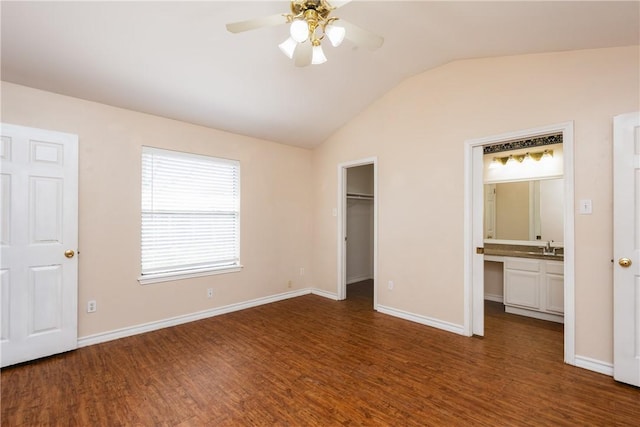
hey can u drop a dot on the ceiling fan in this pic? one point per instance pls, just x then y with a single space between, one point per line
311 22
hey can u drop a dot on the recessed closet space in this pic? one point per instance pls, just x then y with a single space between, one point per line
359 229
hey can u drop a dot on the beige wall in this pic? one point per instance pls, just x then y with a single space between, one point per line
417 131
275 209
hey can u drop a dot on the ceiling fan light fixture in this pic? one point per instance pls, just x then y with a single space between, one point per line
299 30
318 56
288 47
335 34
310 22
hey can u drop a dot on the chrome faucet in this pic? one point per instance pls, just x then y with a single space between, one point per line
548 250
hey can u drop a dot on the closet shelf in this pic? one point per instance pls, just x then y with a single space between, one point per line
360 196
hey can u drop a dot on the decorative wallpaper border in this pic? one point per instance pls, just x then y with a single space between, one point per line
538 141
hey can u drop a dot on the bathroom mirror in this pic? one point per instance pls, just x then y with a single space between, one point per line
525 210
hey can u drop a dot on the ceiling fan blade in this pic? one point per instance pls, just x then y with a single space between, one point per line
360 36
252 24
337 4
303 54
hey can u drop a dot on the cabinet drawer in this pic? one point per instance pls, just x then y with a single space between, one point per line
522 264
555 267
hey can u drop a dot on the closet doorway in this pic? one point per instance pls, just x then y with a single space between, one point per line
357 229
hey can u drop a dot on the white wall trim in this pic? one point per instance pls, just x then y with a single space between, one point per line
594 365
472 297
558 318
325 294
423 320
341 226
179 320
569 245
580 361
148 279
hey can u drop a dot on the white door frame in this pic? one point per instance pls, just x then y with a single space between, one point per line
473 231
342 225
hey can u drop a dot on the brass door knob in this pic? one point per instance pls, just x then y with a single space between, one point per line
69 253
624 262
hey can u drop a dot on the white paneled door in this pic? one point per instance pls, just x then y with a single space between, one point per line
626 248
39 239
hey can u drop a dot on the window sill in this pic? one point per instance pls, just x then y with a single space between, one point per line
148 279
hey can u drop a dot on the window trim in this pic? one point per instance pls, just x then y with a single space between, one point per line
148 279
159 277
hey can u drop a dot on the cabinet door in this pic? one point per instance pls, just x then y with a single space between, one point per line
555 292
522 288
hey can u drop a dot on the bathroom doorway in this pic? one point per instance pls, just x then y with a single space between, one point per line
476 238
357 229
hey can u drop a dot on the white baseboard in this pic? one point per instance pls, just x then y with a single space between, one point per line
594 365
178 320
358 279
325 294
535 314
423 320
494 297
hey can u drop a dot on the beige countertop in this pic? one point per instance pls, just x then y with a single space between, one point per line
522 251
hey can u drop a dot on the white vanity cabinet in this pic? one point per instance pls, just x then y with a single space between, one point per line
522 282
554 287
534 287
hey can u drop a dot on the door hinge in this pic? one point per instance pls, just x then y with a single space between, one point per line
479 250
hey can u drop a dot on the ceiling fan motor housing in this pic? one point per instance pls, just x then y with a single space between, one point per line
321 7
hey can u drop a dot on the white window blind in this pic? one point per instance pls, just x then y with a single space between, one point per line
190 212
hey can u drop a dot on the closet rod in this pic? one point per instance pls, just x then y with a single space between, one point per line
360 196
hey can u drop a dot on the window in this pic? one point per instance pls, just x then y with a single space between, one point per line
190 215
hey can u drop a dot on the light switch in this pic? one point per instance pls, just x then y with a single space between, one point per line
585 207
334 212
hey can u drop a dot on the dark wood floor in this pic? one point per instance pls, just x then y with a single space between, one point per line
310 361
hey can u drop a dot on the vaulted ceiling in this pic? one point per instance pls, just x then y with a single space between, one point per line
176 59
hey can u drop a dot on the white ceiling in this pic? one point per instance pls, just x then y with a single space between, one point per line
176 59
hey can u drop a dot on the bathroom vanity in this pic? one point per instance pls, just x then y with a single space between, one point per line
533 279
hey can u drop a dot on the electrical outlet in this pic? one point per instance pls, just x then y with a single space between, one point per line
92 306
210 293
391 284
289 283
302 271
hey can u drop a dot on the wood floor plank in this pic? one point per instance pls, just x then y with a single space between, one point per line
310 361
